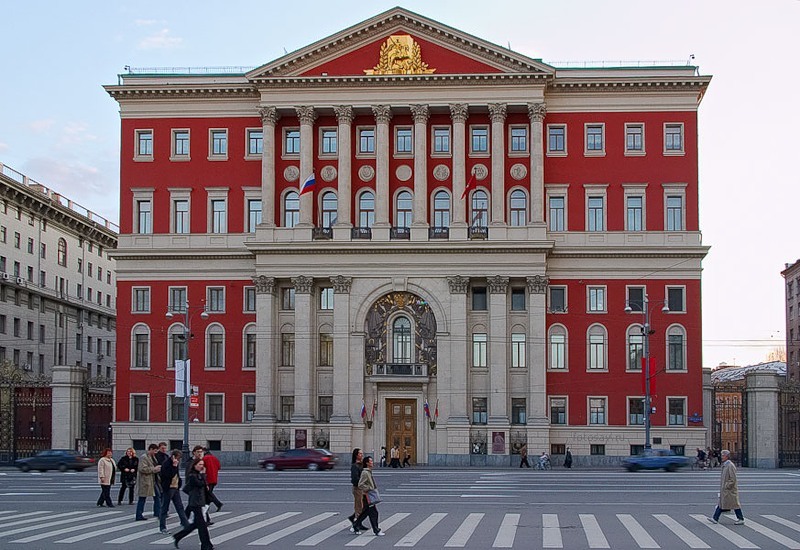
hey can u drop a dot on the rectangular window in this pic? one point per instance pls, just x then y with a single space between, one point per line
329 141
594 139
287 408
325 407
518 353
177 299
674 213
325 349
214 407
255 142
287 349
675 299
479 348
139 408
43 251
676 412
635 211
17 240
479 139
635 411
558 299
30 245
558 410
673 138
181 216
597 299
402 141
216 300
597 352
291 141
249 351
175 408
326 298
287 299
556 213
216 351
597 450
479 410
634 138
556 139
144 143
635 349
249 403
441 140
595 217
635 299
517 299
479 302
366 141
519 410
249 299
253 214
144 214
219 216
180 143
597 410
519 139
141 300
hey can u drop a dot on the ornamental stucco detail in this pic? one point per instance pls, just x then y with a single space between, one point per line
383 113
497 112
537 111
341 284
518 171
269 115
344 114
366 173
459 112
480 171
306 114
264 284
328 173
458 284
403 172
497 284
420 113
441 172
400 54
538 284
302 284
291 173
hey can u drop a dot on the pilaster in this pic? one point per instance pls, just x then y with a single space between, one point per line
497 114
383 114
459 112
456 373
342 372
67 392
537 341
304 338
344 116
419 227
537 112
498 350
265 353
307 116
269 118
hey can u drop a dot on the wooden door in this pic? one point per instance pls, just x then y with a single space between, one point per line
402 427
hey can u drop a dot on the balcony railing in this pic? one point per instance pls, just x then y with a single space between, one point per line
477 232
438 232
361 233
322 233
400 233
401 369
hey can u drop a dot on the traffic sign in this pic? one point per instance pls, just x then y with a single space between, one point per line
194 401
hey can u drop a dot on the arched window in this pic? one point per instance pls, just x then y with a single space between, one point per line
480 209
401 340
597 352
635 339
177 345
140 347
291 209
366 209
62 252
557 340
249 347
519 208
329 205
404 209
215 347
676 348
441 209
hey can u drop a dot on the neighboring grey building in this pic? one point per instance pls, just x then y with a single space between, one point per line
791 277
57 282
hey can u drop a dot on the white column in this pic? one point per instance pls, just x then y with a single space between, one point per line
304 341
266 335
341 230
459 113
456 373
269 118
537 345
341 358
537 112
419 227
383 114
307 116
497 113
498 349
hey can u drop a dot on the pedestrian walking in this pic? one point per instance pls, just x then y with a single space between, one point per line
170 491
212 478
728 491
523 454
128 466
366 484
196 488
106 472
383 457
568 459
394 457
146 482
356 465
406 458
160 458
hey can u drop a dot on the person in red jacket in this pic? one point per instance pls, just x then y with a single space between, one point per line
212 477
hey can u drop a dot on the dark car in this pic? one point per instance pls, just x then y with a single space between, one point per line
656 459
55 459
310 459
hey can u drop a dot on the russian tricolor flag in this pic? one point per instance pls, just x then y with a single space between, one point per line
363 410
308 185
427 409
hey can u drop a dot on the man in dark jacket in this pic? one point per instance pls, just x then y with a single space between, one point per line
161 456
358 499
170 490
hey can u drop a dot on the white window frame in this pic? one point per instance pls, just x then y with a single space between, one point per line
595 330
208 299
169 298
522 152
144 330
173 155
249 155
138 156
366 154
248 329
589 410
674 152
634 329
217 194
244 406
285 193
326 304
433 211
397 152
594 152
321 133
480 360
245 291
134 303
603 290
175 329
142 194
557 191
666 299
595 190
628 399
635 152
169 398
550 409
211 154
470 137
551 152
672 329
635 190
675 190
284 134
216 329
207 408
175 196
666 409
251 194
441 154
519 350
133 409
560 330
566 301
526 215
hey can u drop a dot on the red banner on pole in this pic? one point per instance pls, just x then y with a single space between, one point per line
652 376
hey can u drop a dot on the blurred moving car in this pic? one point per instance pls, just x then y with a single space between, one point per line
310 459
55 459
656 459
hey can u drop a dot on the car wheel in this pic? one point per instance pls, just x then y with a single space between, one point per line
269 466
313 466
79 469
633 468
25 468
671 468
62 467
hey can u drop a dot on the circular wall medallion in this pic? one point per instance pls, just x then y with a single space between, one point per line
403 172
441 172
519 171
291 173
366 173
328 173
481 172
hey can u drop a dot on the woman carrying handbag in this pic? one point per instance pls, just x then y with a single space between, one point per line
371 497
196 488
106 472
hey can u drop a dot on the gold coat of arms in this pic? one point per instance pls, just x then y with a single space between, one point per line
400 55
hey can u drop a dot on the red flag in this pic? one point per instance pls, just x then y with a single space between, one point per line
652 376
470 184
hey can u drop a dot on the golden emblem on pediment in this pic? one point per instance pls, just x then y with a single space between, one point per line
400 55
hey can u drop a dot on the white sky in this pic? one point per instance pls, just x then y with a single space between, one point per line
59 127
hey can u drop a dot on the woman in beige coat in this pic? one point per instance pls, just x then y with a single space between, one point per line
366 484
106 472
728 491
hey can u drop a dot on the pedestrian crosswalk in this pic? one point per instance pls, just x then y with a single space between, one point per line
409 529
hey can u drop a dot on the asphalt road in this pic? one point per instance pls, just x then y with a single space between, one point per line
422 508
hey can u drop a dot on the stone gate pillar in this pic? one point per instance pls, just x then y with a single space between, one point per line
68 388
762 419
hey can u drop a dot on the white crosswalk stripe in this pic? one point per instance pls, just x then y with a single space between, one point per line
464 531
148 531
48 534
691 540
253 527
385 525
416 534
507 532
269 539
38 523
735 538
594 535
551 532
21 515
639 534
774 535
784 522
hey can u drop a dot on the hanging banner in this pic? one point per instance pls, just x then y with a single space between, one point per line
183 382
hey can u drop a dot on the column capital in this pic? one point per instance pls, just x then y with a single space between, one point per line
269 115
459 112
341 284
538 284
497 112
344 114
497 284
421 114
302 284
537 111
383 113
458 284
264 284
306 114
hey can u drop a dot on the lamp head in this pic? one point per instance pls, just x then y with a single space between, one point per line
204 315
628 309
169 315
665 309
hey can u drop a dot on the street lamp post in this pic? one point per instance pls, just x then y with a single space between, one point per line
186 324
646 332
